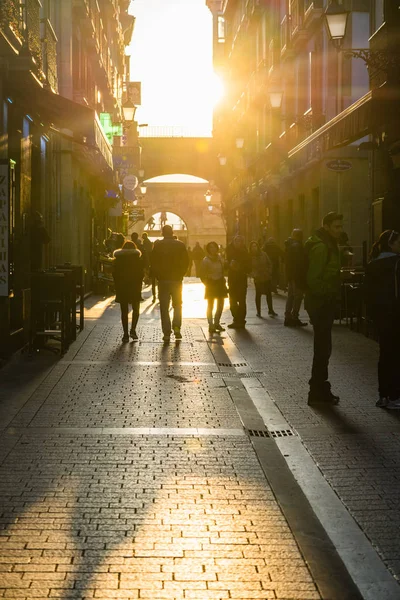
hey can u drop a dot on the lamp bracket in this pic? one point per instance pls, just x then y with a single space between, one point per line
376 60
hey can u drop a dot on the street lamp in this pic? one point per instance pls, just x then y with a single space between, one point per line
143 189
239 143
208 196
222 160
275 99
336 20
141 172
129 110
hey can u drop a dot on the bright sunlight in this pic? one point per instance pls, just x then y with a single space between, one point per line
174 64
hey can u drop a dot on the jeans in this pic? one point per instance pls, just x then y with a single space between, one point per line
262 288
124 316
388 326
237 301
294 300
167 291
322 321
218 312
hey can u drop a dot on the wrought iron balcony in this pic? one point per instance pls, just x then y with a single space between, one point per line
49 53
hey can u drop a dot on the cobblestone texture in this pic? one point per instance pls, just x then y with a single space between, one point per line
103 516
356 445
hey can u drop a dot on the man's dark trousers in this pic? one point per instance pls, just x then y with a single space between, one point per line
237 301
322 321
167 291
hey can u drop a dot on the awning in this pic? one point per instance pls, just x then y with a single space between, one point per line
372 111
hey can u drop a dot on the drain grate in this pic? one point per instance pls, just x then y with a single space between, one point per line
232 364
258 433
228 375
279 433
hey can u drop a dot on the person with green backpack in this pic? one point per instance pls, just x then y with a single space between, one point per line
322 295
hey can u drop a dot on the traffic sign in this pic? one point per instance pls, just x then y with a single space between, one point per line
339 165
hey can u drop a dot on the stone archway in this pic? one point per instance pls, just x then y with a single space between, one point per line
187 201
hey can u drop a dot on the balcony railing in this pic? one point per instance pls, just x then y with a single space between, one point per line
31 13
49 54
11 18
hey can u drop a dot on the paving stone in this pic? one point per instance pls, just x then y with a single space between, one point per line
87 512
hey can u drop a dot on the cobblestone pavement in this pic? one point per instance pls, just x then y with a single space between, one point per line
126 473
356 445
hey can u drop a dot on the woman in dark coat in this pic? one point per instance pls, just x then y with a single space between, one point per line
382 286
128 276
261 271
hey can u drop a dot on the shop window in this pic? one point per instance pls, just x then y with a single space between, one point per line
221 30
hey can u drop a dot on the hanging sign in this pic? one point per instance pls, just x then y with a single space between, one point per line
130 182
4 229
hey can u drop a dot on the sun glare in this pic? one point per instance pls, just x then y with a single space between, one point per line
217 89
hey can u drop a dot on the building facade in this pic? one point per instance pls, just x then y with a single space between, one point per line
296 130
62 64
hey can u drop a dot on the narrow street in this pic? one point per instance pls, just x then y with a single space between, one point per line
184 470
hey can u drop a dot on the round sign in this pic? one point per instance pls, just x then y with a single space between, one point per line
130 182
339 165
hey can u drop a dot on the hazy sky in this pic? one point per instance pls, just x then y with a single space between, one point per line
171 54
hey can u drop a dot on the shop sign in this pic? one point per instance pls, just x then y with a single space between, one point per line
130 182
339 165
4 229
137 214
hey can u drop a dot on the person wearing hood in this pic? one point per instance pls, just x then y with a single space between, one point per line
382 291
322 295
128 276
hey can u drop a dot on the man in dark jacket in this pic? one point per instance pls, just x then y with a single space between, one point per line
169 263
323 292
295 261
239 266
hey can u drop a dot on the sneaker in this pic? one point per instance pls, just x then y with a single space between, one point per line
393 404
219 327
259 315
211 329
272 313
177 333
382 402
298 323
134 335
236 325
166 337
288 323
125 338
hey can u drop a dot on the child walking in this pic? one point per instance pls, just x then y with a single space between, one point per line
213 278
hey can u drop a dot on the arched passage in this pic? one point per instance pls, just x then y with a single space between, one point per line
186 199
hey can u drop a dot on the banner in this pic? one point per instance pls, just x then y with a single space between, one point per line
4 229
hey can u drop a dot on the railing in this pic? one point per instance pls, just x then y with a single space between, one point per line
164 131
49 53
32 23
11 17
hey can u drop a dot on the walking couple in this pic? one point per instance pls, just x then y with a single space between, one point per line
169 262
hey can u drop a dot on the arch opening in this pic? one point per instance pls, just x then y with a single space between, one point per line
177 178
157 220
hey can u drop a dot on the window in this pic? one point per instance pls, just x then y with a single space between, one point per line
221 30
379 14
